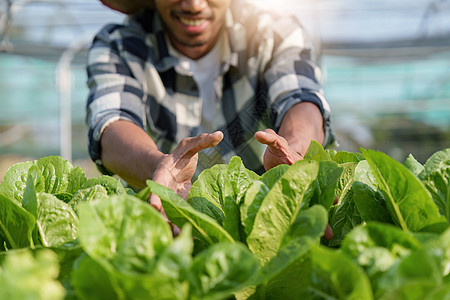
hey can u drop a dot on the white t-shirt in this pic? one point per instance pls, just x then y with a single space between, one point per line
205 71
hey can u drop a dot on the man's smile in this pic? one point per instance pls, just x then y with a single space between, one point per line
192 22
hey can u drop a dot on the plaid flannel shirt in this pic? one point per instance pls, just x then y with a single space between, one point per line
266 69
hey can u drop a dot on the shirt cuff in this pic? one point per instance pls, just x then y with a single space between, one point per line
284 103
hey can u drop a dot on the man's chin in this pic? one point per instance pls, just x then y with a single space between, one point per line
193 44
193 49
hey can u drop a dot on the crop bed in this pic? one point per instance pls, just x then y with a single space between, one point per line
244 236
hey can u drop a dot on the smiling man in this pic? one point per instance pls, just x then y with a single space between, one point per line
182 85
193 26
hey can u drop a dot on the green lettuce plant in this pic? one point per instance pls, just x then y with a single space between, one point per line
244 236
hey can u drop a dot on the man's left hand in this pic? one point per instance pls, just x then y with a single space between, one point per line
278 150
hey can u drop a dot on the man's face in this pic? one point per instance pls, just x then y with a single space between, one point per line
192 25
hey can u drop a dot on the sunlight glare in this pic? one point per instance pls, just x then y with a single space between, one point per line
274 5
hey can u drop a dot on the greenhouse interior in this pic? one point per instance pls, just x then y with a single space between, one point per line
367 218
385 64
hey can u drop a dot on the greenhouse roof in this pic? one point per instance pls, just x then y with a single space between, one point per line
44 28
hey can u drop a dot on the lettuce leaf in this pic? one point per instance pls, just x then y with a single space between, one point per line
370 203
123 232
16 224
377 246
222 270
287 274
407 200
413 165
280 207
59 177
30 275
180 212
436 177
335 276
56 221
214 192
15 181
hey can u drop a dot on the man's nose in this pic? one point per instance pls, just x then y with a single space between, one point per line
194 6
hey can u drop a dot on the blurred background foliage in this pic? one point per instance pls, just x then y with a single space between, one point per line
386 67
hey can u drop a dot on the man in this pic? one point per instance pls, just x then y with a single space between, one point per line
182 76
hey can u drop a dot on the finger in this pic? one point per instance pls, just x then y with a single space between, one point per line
188 147
328 235
266 137
155 201
212 141
272 140
277 146
175 230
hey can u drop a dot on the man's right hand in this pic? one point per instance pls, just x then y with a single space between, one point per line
128 151
176 169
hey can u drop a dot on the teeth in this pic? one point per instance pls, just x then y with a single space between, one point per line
192 22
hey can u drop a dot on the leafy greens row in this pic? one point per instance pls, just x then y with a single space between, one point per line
244 236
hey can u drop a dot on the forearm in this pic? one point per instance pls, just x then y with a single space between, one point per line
302 124
129 152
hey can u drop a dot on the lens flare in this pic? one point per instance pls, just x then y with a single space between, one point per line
278 5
